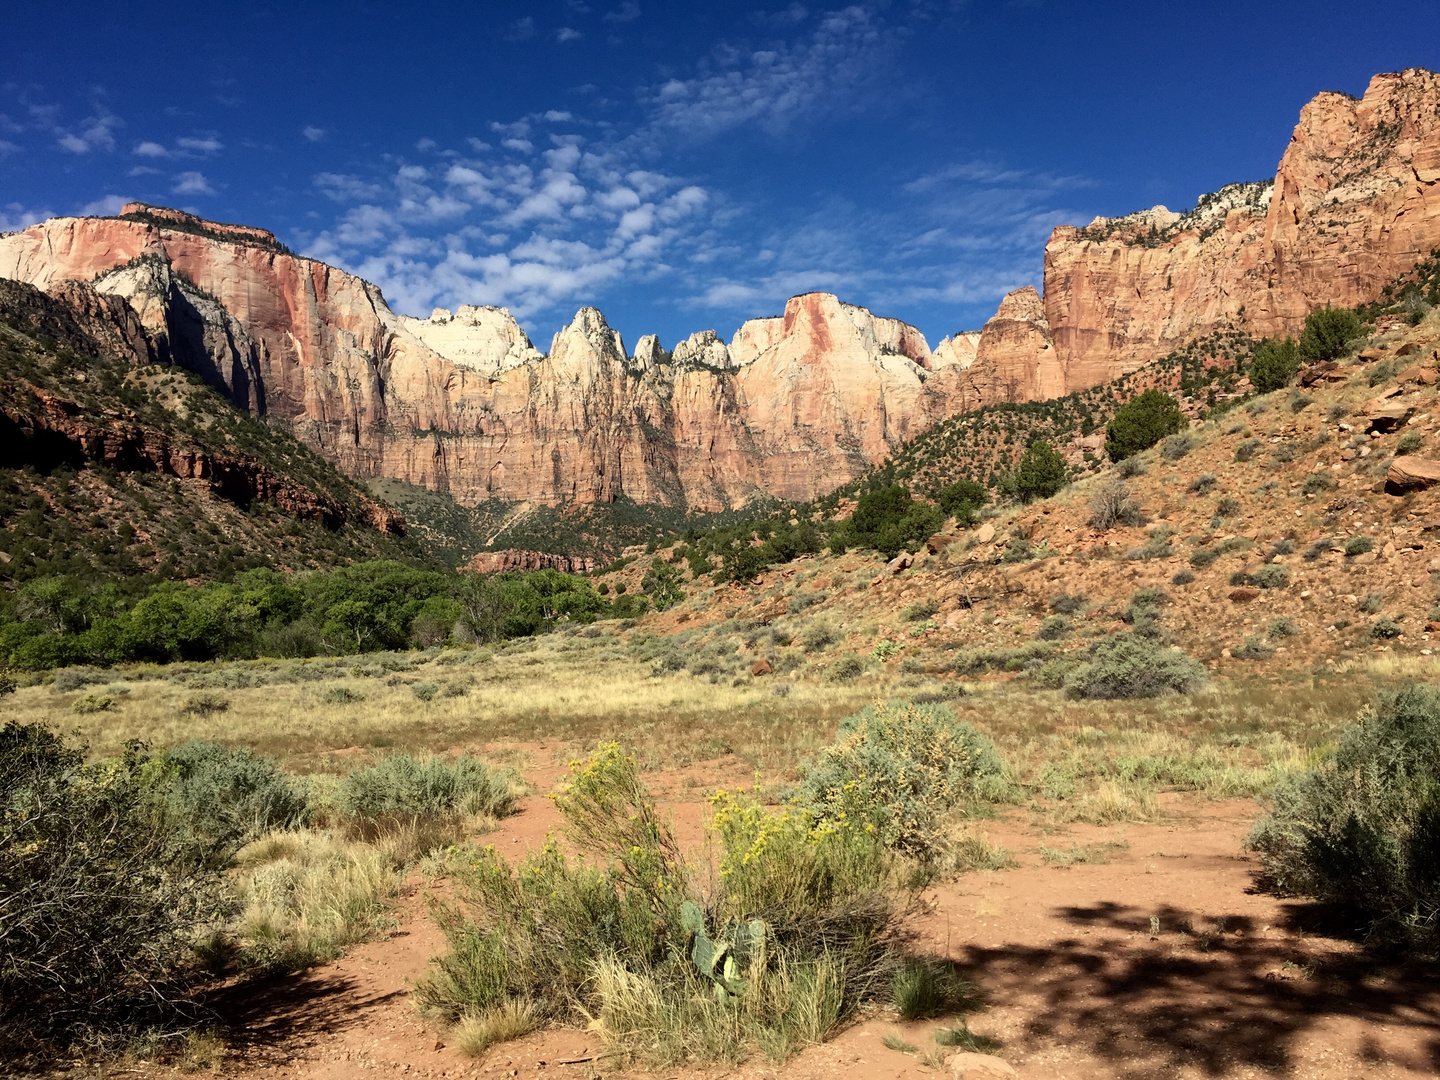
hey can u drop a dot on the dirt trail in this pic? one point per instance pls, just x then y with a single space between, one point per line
1231 984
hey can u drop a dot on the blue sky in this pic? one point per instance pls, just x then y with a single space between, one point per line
680 166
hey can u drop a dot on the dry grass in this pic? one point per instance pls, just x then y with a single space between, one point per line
477 1032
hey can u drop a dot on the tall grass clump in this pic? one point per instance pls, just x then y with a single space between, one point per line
1133 665
899 769
227 796
304 895
798 927
1361 831
100 898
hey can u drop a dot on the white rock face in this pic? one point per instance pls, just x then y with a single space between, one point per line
956 352
754 337
484 339
703 349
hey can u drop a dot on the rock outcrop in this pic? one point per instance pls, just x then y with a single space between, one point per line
495 562
1355 203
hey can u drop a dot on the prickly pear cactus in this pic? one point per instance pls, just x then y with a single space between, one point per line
721 960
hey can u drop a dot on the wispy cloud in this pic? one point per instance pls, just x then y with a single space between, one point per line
626 12
313 134
93 133
192 183
568 33
106 206
14 216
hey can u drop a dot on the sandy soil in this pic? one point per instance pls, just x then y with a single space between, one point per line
1233 984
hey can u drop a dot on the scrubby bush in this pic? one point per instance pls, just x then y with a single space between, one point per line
1317 482
424 691
1372 602
1131 467
1132 665
99 899
1358 545
226 796
1202 484
1141 423
1361 831
1385 628
1177 446
1067 603
920 610
1053 628
1203 557
1182 577
900 768
1245 449
1274 365
1252 648
1112 505
405 787
1271 576
819 636
1328 333
1040 473
846 669
1299 402
1282 626
799 930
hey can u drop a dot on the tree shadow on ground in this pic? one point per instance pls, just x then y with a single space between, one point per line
1207 992
283 1010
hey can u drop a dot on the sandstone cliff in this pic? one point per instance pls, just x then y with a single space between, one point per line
463 402
1355 203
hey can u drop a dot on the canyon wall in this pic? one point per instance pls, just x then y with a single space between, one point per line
463 402
1355 203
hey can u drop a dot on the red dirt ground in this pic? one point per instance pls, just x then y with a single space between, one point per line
1077 986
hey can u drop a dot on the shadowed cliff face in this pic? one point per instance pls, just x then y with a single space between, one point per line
795 405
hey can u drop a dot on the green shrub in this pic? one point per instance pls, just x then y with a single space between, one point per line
1246 448
1141 423
341 695
1372 602
424 691
1358 545
1274 365
1385 628
1328 333
1227 507
962 500
1409 442
1299 402
818 637
889 520
1317 482
1018 550
1053 628
225 797
1182 577
101 899
1131 467
1282 626
900 768
1252 648
1272 576
1068 604
1361 831
93 703
1040 473
1320 547
920 610
1132 665
406 787
206 704
1203 557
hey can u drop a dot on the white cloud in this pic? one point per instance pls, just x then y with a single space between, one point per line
192 183
624 13
521 29
568 33
151 150
343 188
94 133
556 116
7 148
14 217
313 134
523 146
107 206
207 145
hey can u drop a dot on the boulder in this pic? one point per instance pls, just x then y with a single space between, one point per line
1411 473
899 563
1387 413
1425 376
985 533
971 1066
761 667
1244 594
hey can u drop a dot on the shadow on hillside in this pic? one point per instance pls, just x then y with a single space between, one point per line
1207 1000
